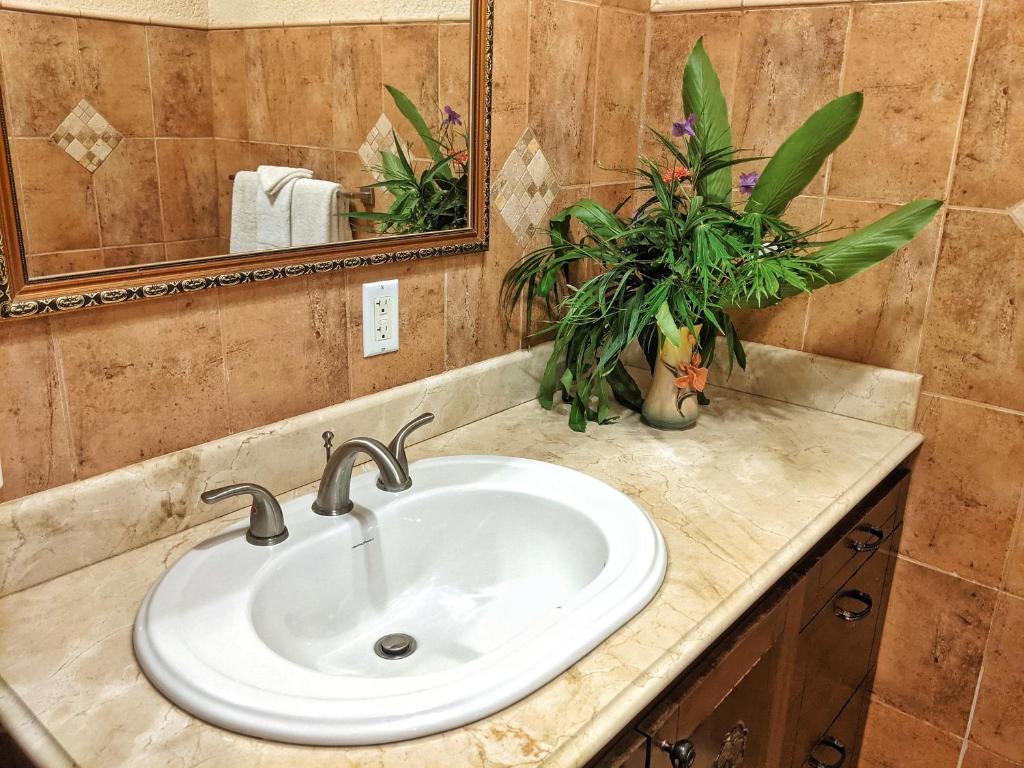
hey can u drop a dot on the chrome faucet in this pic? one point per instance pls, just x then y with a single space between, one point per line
266 521
333 496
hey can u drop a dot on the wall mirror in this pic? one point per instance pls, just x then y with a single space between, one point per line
183 145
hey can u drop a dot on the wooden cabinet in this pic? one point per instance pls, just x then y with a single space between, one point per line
836 652
787 685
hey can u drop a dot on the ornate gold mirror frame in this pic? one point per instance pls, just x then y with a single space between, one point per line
21 296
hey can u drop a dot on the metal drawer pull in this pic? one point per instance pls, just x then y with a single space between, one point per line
852 594
877 537
834 744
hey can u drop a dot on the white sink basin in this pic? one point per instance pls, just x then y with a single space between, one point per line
505 571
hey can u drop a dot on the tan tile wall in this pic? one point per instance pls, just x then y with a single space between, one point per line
945 95
195 107
158 188
943 117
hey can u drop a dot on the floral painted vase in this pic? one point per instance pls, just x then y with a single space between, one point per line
672 402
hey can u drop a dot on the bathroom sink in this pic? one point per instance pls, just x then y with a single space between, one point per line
419 611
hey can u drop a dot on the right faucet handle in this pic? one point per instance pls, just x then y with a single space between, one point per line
397 444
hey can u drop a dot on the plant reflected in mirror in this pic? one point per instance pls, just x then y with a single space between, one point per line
435 198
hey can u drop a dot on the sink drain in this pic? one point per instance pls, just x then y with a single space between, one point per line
396 646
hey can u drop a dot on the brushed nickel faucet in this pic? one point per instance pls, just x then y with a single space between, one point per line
397 444
333 496
266 521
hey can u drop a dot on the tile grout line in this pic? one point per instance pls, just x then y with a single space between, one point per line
62 388
940 235
92 176
599 58
975 403
958 576
974 700
156 147
828 171
1015 534
644 83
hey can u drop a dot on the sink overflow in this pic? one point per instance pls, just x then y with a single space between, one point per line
396 646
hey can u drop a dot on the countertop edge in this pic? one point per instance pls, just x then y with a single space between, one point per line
610 722
30 735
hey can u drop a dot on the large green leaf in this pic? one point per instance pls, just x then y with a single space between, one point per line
597 219
801 156
842 259
625 388
702 94
412 114
864 248
667 324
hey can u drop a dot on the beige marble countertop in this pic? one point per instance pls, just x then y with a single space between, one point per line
739 499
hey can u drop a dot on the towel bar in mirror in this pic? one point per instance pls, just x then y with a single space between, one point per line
152 152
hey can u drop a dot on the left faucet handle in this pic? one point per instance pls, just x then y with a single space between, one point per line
266 520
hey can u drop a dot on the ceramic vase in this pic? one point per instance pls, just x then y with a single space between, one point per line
668 406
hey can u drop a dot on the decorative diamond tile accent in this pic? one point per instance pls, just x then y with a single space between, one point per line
381 136
87 136
525 188
1017 214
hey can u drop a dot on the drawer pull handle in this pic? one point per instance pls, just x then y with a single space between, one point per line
877 537
831 742
682 754
860 597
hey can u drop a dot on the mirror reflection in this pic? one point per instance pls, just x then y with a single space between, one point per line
229 129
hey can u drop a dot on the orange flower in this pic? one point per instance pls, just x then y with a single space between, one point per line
462 158
691 375
676 174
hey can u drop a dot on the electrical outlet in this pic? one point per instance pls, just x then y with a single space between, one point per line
380 317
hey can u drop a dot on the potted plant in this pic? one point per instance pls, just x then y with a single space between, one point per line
669 275
436 198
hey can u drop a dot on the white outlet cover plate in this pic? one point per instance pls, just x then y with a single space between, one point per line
380 317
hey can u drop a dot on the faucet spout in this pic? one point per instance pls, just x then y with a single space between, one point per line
333 496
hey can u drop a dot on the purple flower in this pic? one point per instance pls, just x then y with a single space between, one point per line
687 127
748 181
451 117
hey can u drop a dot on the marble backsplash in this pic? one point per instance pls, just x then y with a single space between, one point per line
60 530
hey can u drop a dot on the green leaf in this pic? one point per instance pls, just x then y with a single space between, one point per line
864 248
667 324
801 156
408 109
702 94
842 259
624 387
549 381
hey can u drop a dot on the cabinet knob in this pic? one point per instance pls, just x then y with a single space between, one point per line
834 744
682 754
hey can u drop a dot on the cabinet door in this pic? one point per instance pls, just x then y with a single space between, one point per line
837 649
637 758
738 732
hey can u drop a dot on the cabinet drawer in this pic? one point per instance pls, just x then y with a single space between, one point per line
738 732
839 745
856 546
837 649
